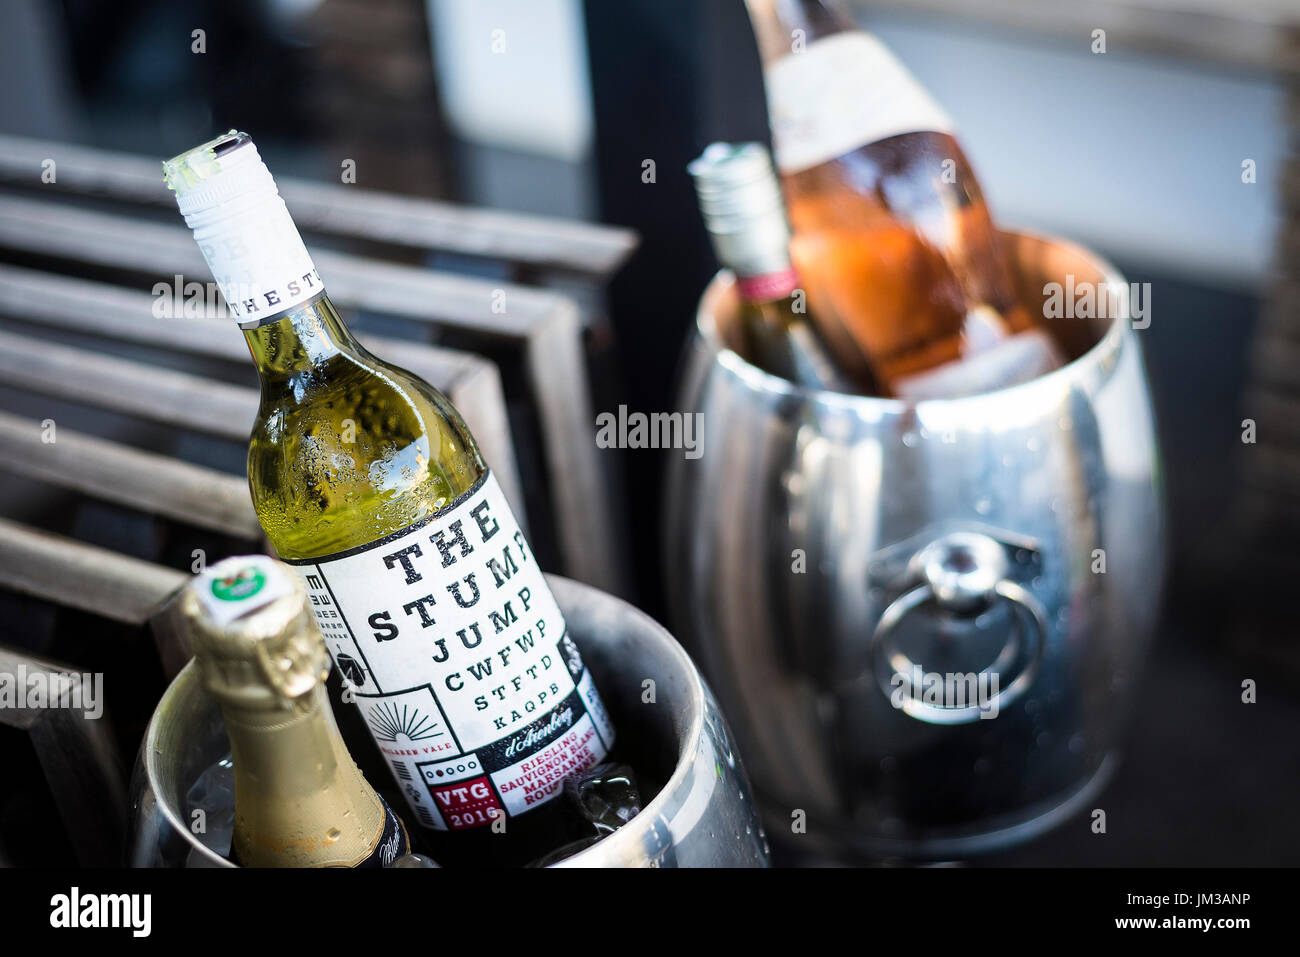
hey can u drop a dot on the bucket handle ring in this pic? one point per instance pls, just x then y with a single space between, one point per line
963 573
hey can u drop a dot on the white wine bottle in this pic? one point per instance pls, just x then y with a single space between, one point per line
368 482
300 800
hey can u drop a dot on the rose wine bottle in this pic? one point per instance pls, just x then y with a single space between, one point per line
891 231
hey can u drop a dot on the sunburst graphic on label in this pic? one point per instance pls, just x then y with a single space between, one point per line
389 723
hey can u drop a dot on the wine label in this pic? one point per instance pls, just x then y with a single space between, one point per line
1018 358
457 654
843 92
259 263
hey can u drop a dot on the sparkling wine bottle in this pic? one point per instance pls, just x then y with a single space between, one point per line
368 482
300 800
891 231
740 200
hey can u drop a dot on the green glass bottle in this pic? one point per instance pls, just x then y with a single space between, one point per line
368 482
740 200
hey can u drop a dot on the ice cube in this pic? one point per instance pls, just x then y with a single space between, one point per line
213 793
606 796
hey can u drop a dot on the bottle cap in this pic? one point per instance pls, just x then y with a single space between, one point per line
253 633
735 183
742 206
218 173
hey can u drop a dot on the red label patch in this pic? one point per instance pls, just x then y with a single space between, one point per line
467 804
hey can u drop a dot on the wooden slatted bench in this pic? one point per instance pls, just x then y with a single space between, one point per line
103 310
79 756
536 242
544 324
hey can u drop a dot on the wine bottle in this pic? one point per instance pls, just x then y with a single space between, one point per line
891 232
369 484
300 800
740 200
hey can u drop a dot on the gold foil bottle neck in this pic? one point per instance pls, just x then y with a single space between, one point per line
253 633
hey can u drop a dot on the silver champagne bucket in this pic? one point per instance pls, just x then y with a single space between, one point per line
703 816
925 621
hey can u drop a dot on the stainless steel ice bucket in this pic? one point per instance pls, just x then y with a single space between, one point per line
829 557
704 816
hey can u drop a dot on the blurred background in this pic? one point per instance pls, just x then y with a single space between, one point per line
1173 153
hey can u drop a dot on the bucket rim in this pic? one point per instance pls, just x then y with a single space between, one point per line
721 290
626 843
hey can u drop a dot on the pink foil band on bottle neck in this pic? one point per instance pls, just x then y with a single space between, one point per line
773 285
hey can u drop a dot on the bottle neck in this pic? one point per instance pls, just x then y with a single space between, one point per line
756 247
300 342
775 24
278 751
759 256
268 279
744 212
300 800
